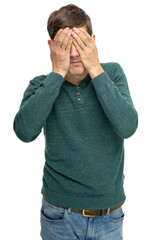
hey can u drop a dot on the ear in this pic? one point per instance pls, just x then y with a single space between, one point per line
93 36
49 42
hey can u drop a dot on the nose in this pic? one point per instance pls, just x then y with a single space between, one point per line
73 51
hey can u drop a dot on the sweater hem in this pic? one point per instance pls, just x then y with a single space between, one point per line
84 202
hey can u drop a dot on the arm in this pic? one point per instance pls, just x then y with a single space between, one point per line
42 91
113 95
115 99
36 104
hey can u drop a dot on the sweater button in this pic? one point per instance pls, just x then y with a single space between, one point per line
79 99
78 93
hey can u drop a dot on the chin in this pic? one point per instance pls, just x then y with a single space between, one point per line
76 70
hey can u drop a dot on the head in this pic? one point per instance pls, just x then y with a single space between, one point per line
70 16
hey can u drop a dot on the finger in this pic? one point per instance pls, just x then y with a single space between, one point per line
51 43
69 44
83 35
79 49
66 39
79 41
59 40
57 35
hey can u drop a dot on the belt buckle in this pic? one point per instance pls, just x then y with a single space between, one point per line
86 215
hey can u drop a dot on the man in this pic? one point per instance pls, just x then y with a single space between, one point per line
86 111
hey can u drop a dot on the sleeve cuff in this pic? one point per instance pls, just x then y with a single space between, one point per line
52 81
101 80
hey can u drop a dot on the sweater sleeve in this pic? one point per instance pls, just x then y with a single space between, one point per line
36 105
114 97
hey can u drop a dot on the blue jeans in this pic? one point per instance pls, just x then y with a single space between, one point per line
61 224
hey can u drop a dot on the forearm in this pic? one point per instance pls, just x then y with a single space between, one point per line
117 106
35 108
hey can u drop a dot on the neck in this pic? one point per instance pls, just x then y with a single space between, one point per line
75 78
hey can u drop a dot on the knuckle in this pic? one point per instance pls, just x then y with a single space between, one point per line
85 40
59 40
65 40
56 53
68 34
61 54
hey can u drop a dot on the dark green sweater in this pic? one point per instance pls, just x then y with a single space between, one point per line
84 127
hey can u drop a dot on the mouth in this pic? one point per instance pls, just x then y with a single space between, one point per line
76 63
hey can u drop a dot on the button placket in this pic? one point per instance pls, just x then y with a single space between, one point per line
79 96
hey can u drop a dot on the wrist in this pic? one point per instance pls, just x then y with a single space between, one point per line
63 74
96 71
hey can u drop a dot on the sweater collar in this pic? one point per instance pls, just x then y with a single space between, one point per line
83 83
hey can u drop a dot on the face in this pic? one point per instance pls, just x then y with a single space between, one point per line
76 70
76 66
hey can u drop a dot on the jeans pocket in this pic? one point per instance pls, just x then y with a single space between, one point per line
116 216
52 213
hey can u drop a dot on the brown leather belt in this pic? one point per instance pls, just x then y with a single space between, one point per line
94 213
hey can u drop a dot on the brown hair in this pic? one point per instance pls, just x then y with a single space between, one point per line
68 16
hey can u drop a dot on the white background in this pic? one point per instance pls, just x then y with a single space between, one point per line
126 32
